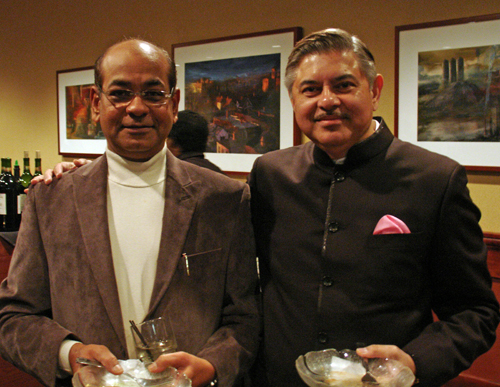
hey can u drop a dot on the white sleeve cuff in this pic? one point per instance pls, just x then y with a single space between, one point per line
64 364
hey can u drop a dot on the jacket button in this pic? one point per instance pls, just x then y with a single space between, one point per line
327 281
339 176
333 227
322 337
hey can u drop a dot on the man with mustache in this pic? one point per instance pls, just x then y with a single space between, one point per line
135 235
332 275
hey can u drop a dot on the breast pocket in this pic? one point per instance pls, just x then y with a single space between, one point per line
394 267
202 265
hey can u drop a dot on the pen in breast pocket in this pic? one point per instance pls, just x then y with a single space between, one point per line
187 262
185 256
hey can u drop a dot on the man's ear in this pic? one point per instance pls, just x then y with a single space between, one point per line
290 96
175 103
377 90
95 99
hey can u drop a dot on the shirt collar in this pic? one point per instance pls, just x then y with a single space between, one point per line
360 152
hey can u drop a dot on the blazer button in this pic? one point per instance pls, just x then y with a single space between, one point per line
339 176
327 281
322 337
333 227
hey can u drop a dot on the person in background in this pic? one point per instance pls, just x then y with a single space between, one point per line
361 236
188 139
136 234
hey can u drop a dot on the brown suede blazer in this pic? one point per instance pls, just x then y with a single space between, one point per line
61 282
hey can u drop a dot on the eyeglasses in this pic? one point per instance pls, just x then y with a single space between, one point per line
121 98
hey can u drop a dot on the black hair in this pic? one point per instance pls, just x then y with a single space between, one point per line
190 132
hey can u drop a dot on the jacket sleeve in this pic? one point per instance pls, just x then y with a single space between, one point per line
462 298
29 338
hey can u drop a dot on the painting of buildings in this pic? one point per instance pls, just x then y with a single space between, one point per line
240 98
459 94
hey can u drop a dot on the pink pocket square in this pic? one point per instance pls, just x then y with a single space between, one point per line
389 224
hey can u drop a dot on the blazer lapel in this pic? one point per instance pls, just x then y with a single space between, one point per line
180 203
90 190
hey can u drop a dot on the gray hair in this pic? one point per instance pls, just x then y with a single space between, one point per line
332 39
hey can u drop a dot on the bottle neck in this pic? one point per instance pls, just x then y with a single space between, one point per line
8 167
26 163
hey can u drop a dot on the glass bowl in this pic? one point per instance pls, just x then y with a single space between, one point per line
329 368
135 375
92 376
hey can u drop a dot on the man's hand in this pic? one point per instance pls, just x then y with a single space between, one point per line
200 371
58 170
390 352
99 353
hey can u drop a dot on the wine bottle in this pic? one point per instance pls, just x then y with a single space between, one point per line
17 171
23 183
3 199
38 164
25 178
8 199
19 197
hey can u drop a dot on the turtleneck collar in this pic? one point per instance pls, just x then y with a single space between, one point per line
137 174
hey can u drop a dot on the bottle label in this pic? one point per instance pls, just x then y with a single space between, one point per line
20 203
3 204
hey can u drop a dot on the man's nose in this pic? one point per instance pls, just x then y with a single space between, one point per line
137 106
328 99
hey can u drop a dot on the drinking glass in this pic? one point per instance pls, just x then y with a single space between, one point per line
153 338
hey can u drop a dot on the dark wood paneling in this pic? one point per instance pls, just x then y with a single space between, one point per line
5 254
485 371
11 376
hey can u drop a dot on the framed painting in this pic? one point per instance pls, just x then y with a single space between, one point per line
237 84
448 89
78 135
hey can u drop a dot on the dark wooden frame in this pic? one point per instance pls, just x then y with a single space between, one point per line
223 49
470 22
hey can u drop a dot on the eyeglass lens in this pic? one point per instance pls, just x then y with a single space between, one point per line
123 97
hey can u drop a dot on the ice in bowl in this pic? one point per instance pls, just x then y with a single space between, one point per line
332 368
92 376
135 375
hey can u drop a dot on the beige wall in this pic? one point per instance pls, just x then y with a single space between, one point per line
39 37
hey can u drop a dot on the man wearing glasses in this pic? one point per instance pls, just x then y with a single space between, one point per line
135 235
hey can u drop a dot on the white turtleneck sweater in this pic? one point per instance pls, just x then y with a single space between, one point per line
135 203
136 199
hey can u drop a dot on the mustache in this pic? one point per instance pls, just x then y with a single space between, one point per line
331 116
